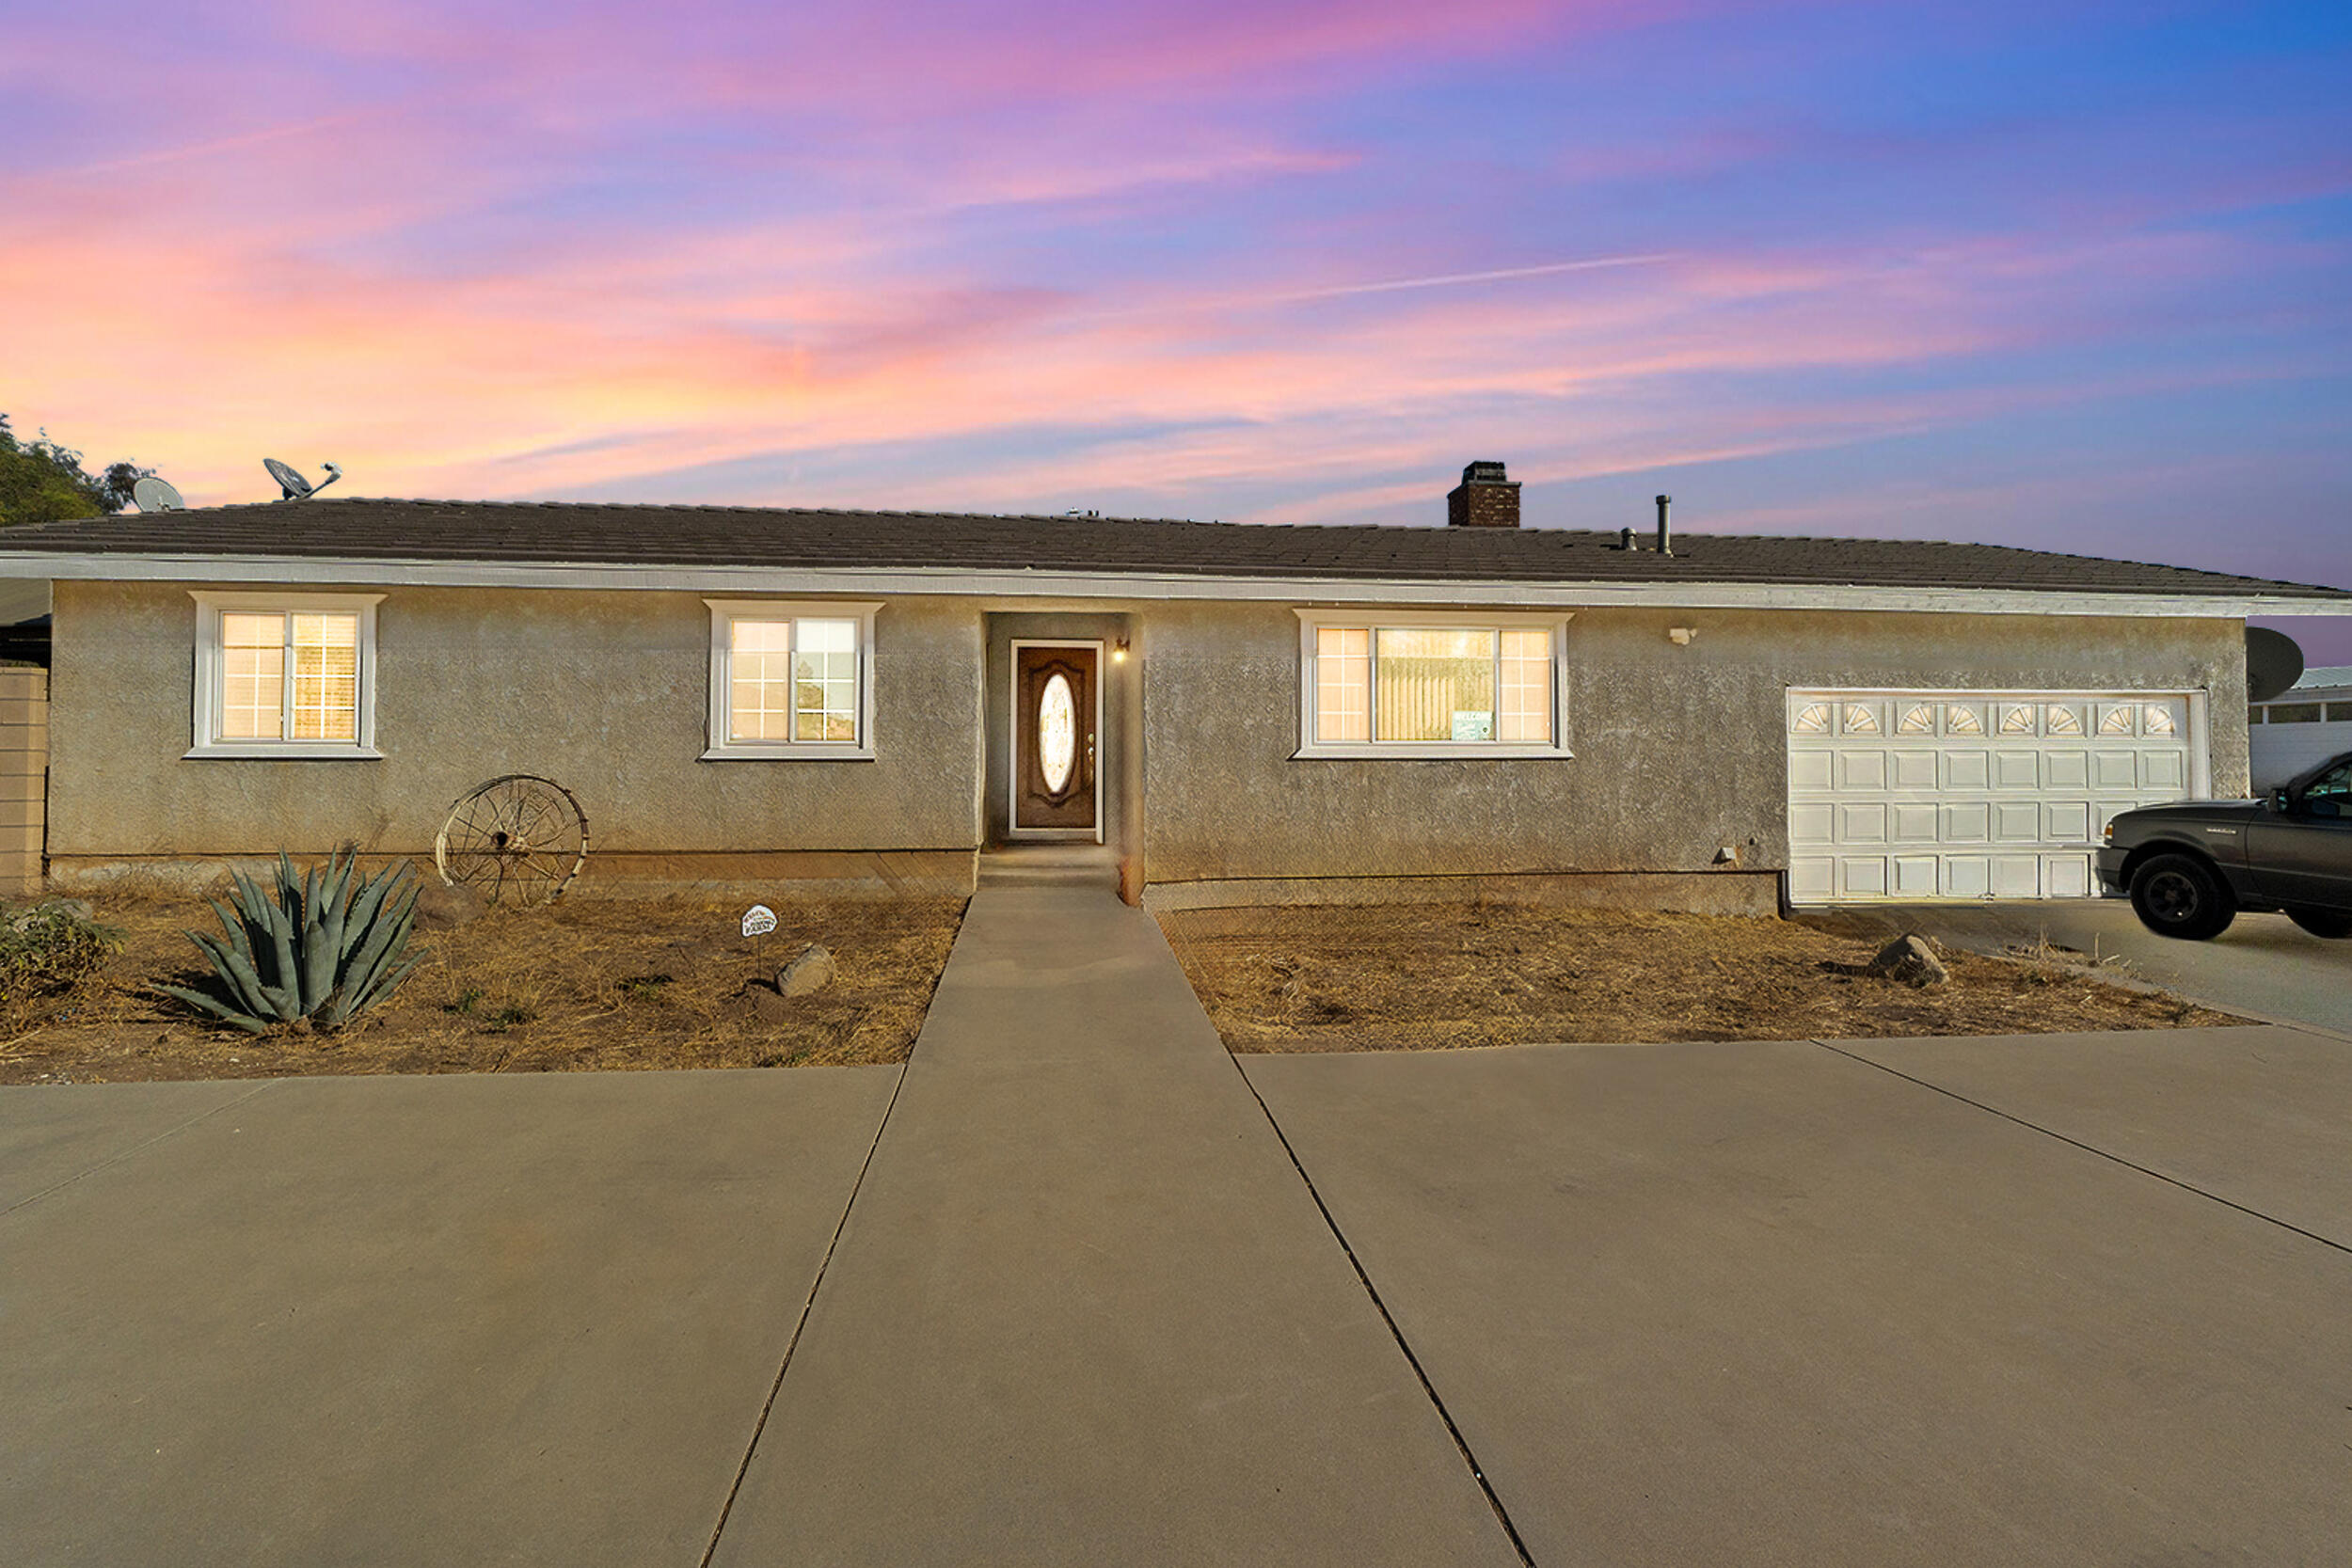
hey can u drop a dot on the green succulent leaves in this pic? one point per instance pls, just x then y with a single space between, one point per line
313 948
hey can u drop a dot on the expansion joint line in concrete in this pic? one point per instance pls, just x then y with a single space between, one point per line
2088 1148
1461 1444
171 1132
760 1427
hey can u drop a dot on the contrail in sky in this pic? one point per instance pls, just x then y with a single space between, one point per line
1448 279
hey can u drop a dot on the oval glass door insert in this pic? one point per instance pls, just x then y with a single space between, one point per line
1057 733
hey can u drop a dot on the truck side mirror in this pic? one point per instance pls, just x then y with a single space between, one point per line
2279 801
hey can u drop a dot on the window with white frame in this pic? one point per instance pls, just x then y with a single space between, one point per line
1427 684
791 680
285 676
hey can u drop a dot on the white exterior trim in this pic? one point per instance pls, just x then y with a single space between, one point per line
205 708
1141 585
724 612
1310 750
1012 742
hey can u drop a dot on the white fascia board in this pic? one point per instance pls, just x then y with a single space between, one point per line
783 581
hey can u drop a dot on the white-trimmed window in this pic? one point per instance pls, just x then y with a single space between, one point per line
791 679
1401 684
285 676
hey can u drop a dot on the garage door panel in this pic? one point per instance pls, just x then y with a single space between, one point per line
1968 822
1916 875
1861 875
2017 821
1862 823
1915 823
1921 795
2115 769
1968 875
2066 876
1860 771
2017 876
2016 770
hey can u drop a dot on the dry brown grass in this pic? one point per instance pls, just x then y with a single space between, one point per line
602 985
1437 976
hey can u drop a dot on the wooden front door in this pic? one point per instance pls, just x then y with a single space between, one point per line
1053 740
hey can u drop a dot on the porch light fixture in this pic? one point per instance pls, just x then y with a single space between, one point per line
1118 651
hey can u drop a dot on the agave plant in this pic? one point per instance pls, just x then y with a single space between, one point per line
318 950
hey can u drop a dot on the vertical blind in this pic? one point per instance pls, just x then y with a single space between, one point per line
1433 685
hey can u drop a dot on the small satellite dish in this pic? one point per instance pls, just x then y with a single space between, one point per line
290 478
2274 662
156 494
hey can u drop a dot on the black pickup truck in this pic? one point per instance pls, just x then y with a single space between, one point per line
2191 866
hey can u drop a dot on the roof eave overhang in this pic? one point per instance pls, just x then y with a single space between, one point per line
1065 585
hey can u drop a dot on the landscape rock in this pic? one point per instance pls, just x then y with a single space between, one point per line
812 972
1910 960
441 907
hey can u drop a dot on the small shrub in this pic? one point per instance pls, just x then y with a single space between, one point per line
48 950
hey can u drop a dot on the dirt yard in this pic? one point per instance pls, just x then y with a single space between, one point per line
1437 976
603 985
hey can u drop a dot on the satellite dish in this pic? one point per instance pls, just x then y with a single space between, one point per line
290 480
156 494
2274 663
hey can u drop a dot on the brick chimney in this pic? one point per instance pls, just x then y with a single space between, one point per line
1485 498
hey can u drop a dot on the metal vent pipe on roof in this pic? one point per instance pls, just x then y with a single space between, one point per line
1665 539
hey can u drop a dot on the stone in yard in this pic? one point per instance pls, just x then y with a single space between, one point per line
812 972
1910 960
443 907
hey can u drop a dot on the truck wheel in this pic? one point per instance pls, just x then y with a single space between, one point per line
2321 922
2180 895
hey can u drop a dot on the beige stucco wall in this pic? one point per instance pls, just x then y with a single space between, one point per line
606 693
1679 749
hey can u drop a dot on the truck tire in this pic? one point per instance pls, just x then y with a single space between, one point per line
2181 895
2321 922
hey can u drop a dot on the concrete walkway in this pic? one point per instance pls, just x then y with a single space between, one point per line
1085 1311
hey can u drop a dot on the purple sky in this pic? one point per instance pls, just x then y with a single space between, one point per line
2072 277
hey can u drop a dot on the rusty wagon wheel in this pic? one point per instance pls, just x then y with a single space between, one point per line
519 836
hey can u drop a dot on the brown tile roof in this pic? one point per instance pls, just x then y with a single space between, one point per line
573 533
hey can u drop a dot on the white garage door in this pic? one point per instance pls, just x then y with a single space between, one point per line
1969 794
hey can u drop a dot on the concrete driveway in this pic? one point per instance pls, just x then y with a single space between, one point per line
2036 1301
466 1320
1075 1286
2264 966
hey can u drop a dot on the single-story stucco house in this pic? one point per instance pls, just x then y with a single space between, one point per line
1239 713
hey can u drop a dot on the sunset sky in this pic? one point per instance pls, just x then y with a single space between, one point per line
2072 276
